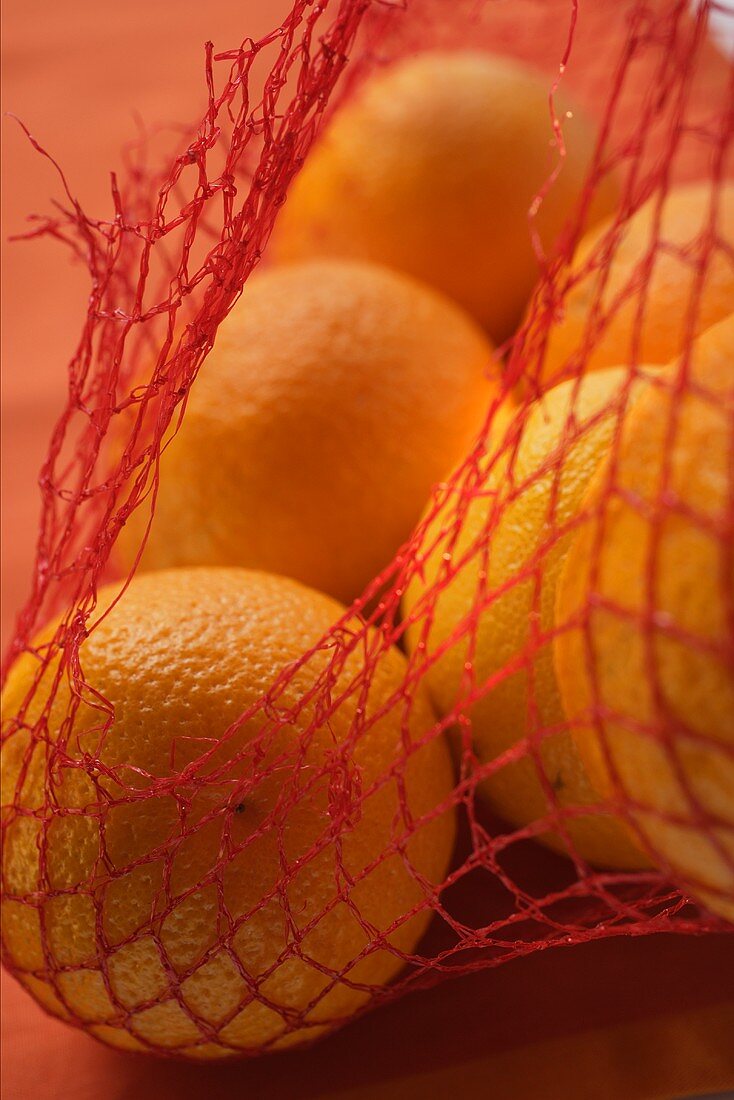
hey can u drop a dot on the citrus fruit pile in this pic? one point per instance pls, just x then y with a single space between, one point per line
222 838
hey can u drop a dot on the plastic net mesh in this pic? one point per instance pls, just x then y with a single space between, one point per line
268 879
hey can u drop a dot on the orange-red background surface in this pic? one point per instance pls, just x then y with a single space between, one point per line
616 1020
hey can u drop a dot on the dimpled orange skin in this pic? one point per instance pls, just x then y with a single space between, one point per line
336 395
673 673
432 169
163 937
668 288
522 528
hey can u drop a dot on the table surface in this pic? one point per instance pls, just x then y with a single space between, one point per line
626 1018
618 1020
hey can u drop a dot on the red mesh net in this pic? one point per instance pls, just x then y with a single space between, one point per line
254 885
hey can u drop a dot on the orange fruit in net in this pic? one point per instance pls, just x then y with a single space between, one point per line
644 281
198 888
336 395
432 168
499 609
644 659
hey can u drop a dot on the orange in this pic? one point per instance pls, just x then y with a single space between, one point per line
644 661
508 552
432 169
204 890
336 395
651 268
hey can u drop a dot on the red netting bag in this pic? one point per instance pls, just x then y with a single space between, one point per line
235 814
